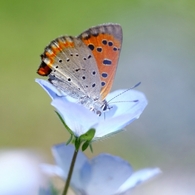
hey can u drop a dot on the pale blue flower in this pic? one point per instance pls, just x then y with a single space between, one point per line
105 174
126 107
20 173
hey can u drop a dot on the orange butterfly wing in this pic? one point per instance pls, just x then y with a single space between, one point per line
105 41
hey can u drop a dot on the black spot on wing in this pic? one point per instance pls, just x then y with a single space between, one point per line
107 62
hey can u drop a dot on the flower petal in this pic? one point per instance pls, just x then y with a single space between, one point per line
113 125
49 88
125 102
107 174
53 92
138 177
125 112
20 173
52 170
77 117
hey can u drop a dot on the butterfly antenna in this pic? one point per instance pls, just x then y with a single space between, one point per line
125 91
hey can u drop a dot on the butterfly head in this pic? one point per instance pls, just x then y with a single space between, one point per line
96 105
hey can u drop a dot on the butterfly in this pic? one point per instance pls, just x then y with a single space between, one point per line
84 67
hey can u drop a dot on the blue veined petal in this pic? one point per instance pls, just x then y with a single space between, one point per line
77 117
107 174
113 125
19 172
130 101
53 92
138 177
49 88
125 112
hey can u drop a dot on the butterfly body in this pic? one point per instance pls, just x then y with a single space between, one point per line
84 67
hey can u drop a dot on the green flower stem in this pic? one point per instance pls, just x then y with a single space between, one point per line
70 172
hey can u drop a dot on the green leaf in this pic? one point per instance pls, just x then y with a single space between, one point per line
85 145
63 122
88 136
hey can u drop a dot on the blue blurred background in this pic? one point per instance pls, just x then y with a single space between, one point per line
158 50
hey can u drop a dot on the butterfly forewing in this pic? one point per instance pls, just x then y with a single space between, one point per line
105 42
73 67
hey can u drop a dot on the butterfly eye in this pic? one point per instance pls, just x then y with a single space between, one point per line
104 107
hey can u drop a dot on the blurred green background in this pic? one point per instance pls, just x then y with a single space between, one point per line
158 50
